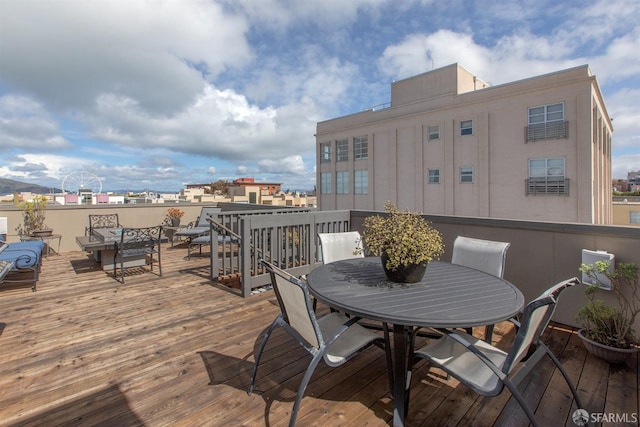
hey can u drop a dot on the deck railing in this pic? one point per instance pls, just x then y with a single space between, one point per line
287 238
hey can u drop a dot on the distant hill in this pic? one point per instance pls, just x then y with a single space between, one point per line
9 186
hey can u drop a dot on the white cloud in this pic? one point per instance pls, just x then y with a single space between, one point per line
288 165
25 124
622 165
211 170
623 109
155 52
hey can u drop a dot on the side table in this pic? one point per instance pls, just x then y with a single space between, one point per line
170 231
47 241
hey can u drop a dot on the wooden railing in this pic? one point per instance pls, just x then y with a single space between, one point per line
287 238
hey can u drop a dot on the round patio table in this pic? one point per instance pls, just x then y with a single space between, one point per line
449 296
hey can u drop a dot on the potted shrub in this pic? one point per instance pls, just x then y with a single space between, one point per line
173 216
33 217
405 242
608 329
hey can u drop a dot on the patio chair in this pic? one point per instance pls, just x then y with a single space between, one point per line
334 337
21 257
486 369
102 221
137 244
483 255
201 227
338 246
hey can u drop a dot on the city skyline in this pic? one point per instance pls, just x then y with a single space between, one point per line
167 93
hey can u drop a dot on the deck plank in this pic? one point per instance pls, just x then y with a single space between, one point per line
86 350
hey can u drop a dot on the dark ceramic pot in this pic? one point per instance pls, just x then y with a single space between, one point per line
412 273
604 352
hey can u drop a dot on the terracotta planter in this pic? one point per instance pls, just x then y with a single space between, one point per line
412 273
605 352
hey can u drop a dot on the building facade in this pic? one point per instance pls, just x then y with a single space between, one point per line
450 144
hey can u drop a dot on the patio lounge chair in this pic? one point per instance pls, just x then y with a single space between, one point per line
483 255
21 257
486 369
135 244
202 226
334 337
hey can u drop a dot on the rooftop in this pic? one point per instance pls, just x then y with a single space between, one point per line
178 350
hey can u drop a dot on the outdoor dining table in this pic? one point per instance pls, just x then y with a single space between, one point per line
449 296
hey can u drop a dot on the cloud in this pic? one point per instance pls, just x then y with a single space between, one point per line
622 165
289 165
211 170
25 124
155 52
622 108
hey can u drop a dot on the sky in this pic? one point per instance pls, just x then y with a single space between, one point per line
152 95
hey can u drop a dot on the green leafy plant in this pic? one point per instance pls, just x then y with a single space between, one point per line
606 324
33 215
405 237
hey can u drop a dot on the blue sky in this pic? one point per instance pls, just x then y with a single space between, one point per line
157 94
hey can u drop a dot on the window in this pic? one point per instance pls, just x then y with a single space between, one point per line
325 183
547 176
342 150
634 217
361 181
546 113
433 133
466 127
466 174
325 152
547 122
342 182
360 147
434 176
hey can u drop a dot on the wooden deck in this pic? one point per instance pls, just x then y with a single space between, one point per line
86 350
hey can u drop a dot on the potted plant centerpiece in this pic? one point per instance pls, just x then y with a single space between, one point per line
173 216
405 242
33 217
608 329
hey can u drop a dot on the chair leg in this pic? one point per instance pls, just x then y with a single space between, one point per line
303 385
564 374
258 355
520 399
488 333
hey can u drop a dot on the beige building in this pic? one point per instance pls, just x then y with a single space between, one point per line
450 144
627 212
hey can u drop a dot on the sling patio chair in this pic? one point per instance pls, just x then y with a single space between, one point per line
486 369
137 246
484 255
334 337
342 245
